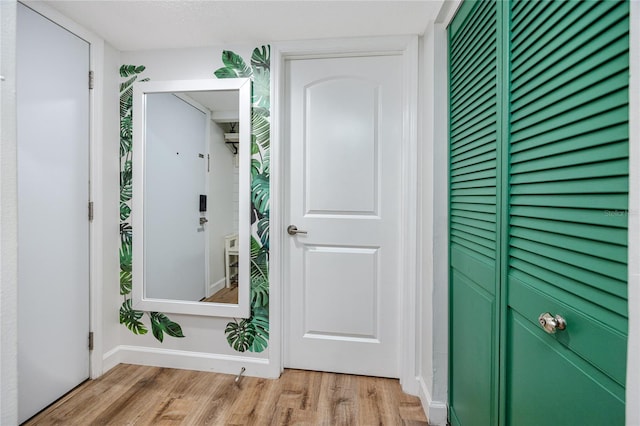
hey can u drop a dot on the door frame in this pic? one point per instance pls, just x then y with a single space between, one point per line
407 46
96 149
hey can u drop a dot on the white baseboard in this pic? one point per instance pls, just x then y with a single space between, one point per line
436 411
217 286
187 360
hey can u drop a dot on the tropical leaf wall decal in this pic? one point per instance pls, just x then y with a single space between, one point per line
132 319
252 334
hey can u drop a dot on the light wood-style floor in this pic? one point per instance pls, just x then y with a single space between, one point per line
226 295
139 395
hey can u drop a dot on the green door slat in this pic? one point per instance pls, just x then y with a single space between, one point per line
571 96
463 213
470 147
485 234
468 220
466 88
477 57
598 217
612 151
481 95
569 85
535 74
473 15
482 118
584 142
479 163
589 263
597 233
582 38
527 16
586 112
525 39
611 118
557 277
481 178
486 200
470 189
585 186
458 206
603 204
579 173
530 41
474 246
601 64
602 250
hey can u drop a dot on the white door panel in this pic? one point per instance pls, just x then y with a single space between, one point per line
344 175
53 227
341 142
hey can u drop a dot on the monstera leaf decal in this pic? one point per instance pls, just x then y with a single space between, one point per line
132 319
252 334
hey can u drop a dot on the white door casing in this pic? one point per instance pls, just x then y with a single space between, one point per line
53 227
343 279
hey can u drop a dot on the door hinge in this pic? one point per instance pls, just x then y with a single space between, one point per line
91 340
90 211
90 80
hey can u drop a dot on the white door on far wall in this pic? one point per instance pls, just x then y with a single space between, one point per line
344 139
53 224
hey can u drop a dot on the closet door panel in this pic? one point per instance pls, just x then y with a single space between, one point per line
568 186
473 214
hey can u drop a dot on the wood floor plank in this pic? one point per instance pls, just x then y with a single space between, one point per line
139 395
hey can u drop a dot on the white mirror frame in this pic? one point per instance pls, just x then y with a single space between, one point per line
140 302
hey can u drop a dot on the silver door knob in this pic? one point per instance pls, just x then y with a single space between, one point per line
293 230
551 324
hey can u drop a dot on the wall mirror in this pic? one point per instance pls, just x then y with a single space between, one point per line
191 203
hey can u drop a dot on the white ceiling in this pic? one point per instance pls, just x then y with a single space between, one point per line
160 24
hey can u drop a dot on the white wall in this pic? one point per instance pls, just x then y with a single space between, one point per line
433 274
8 217
204 346
110 210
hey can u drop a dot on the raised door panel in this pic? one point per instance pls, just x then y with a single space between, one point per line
342 174
549 384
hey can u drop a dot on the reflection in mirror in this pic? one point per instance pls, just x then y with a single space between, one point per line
192 146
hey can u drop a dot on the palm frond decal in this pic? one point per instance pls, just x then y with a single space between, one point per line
160 323
252 334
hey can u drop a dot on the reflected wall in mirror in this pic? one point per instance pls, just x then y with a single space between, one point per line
191 165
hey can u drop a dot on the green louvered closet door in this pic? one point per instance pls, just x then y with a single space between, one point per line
474 219
559 222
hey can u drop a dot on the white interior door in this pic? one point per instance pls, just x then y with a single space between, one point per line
53 227
175 176
344 174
